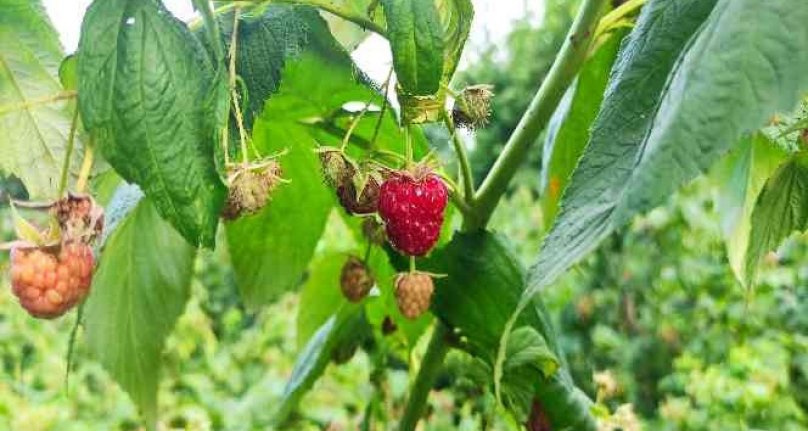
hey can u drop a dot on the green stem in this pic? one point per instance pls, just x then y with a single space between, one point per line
435 353
242 133
462 158
567 64
331 7
461 204
196 22
367 253
342 12
71 344
86 168
212 27
383 110
355 122
71 141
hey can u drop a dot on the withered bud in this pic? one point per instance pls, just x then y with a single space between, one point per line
250 188
472 108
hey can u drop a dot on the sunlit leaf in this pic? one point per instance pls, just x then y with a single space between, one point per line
781 209
138 292
740 178
34 123
688 83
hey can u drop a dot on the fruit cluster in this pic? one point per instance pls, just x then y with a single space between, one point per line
52 269
410 204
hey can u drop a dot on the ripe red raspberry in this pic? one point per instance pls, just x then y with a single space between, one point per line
413 293
355 279
49 281
411 206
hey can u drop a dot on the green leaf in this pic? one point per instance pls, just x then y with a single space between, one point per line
685 88
568 130
33 133
348 323
527 348
416 37
68 72
527 354
480 292
271 250
320 294
347 33
267 41
740 178
781 209
143 81
139 290
456 17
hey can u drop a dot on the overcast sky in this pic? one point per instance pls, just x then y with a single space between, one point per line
493 19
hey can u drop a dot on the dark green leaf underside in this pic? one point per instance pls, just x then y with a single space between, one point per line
666 116
143 79
480 292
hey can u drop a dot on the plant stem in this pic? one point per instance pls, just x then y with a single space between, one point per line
368 249
331 7
462 158
212 28
71 143
433 359
84 171
355 122
242 134
383 110
342 12
71 344
461 204
565 67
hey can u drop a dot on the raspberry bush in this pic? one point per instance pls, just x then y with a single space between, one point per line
250 131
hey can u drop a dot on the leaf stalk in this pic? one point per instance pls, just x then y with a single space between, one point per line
566 65
329 6
462 159
430 366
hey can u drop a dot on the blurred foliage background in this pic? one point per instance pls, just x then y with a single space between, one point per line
654 324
